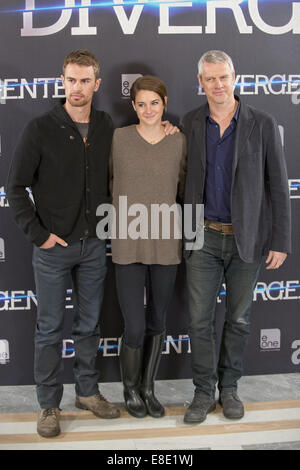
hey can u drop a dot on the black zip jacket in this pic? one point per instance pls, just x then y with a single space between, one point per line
68 178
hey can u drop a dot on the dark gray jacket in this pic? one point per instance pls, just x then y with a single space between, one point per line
260 202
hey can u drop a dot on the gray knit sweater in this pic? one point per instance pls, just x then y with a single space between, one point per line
150 175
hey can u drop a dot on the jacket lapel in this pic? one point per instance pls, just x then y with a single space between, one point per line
199 138
62 115
244 128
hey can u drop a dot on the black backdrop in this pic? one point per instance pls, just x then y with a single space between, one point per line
165 39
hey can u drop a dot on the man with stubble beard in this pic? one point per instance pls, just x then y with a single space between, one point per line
63 157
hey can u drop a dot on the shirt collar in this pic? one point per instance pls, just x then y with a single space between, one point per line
236 114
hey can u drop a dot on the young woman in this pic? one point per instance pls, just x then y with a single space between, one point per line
148 171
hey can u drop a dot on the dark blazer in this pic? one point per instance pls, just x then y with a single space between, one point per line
260 202
68 178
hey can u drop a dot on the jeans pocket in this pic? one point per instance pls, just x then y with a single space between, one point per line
48 249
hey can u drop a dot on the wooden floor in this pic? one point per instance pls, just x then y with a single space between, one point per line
263 423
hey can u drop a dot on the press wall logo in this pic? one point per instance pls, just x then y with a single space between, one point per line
277 84
294 185
270 339
2 250
2 99
129 22
110 347
4 351
3 198
34 88
277 290
14 88
127 80
296 352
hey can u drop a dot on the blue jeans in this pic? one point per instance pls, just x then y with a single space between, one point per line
86 262
206 269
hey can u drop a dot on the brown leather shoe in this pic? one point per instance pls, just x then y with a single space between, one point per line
98 405
48 422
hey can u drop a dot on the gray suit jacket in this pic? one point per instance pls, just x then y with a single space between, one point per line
260 202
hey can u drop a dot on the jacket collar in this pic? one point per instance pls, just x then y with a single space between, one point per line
61 114
236 114
199 134
245 124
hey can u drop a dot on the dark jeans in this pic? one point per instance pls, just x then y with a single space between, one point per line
131 281
86 262
206 269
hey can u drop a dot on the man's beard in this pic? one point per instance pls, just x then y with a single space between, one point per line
77 103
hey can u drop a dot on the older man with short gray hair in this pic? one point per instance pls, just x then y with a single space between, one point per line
236 168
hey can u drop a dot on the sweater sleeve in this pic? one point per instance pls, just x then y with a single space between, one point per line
22 174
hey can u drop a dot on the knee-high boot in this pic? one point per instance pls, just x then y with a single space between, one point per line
153 346
131 363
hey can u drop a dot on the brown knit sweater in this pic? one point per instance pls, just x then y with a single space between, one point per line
149 175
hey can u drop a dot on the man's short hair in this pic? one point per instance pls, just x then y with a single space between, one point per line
215 57
82 57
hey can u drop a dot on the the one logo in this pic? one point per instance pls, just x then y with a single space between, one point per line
4 351
2 250
127 80
270 339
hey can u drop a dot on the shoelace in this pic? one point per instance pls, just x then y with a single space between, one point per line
101 397
200 399
49 412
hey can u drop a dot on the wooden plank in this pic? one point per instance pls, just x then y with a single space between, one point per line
169 411
184 431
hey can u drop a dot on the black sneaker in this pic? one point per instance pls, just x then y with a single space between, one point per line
198 409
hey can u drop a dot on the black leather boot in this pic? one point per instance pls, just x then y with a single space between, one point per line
131 362
153 346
